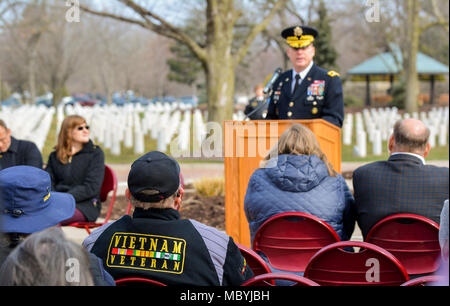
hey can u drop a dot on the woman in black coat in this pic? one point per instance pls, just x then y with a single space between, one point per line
77 166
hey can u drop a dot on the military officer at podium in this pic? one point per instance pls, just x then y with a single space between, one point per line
306 91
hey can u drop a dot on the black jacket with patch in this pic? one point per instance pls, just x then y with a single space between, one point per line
157 244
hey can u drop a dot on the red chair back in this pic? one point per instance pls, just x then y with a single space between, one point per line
423 281
254 261
412 239
290 239
138 281
269 278
371 266
109 184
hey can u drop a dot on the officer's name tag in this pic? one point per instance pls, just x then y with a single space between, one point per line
146 252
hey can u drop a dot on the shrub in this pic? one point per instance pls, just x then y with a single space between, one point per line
209 187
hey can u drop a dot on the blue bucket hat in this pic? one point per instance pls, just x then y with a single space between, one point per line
27 204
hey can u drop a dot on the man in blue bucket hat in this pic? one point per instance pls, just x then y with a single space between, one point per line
27 205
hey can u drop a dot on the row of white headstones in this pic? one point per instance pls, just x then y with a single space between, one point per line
376 126
131 125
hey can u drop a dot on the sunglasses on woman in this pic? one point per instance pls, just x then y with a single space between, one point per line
80 128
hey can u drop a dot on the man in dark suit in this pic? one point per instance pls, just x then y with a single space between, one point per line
403 183
15 152
307 91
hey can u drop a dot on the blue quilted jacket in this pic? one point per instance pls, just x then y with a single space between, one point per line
299 183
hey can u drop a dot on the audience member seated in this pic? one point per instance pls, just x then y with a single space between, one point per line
296 176
402 184
443 241
157 244
77 166
45 259
14 152
27 205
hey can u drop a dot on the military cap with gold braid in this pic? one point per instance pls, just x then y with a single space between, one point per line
299 36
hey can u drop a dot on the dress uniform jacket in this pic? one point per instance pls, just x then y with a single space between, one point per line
318 96
402 184
157 244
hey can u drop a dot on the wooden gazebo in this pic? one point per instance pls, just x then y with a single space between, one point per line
385 67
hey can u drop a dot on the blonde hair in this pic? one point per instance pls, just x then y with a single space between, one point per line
298 140
63 146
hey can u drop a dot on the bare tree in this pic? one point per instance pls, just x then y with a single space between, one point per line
217 57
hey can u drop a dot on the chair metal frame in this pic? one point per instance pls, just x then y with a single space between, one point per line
269 278
126 281
255 262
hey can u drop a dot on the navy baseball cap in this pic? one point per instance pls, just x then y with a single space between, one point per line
27 204
154 171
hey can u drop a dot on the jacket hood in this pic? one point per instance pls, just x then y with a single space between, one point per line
296 173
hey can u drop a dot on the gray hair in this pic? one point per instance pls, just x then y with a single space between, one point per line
47 258
166 203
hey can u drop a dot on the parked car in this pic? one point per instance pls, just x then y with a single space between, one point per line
12 101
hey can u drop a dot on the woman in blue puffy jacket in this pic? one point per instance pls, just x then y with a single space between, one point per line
296 176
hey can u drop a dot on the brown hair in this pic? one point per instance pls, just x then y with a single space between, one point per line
299 140
3 124
63 147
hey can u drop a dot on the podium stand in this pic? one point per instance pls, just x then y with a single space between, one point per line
246 143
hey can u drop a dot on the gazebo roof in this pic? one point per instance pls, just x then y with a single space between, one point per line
385 64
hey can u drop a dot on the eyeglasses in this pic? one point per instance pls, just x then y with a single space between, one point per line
80 128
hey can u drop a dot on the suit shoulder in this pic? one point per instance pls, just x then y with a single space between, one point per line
369 167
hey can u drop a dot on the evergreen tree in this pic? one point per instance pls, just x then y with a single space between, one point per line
326 54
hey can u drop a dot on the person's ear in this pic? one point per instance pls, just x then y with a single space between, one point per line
128 193
427 150
391 144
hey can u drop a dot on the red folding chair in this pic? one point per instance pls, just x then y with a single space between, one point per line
109 184
371 266
290 239
412 239
254 261
270 278
423 281
137 281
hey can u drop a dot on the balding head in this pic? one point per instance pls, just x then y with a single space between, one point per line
410 135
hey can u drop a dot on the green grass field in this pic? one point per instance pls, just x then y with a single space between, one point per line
128 156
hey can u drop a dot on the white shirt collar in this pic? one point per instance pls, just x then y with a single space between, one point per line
302 73
412 154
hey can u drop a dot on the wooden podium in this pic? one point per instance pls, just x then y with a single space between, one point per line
246 143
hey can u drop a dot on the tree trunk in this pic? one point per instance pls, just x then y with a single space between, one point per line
410 62
220 87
